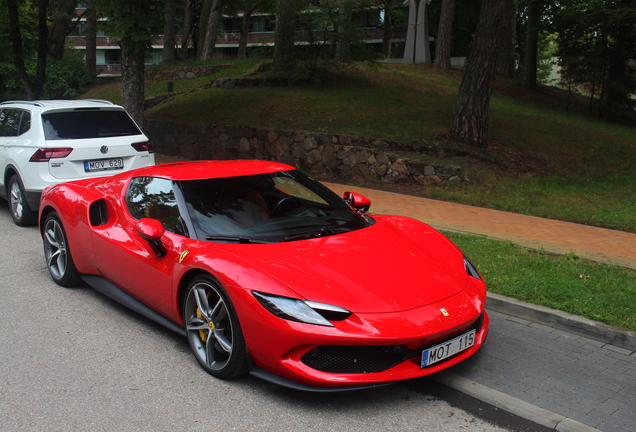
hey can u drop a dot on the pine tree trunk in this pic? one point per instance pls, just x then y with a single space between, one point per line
532 45
343 48
169 38
470 119
209 41
285 36
132 80
245 29
43 32
64 12
204 18
16 48
91 37
507 59
207 49
387 27
445 35
187 30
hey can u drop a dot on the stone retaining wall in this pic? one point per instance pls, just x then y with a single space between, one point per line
184 72
346 157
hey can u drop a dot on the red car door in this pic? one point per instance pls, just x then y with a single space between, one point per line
127 260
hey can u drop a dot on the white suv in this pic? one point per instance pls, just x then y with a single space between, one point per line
49 142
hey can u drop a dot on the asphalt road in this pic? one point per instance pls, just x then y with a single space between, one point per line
73 360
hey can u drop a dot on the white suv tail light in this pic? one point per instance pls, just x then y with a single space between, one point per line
44 155
144 146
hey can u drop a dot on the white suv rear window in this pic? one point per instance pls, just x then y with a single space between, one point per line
88 123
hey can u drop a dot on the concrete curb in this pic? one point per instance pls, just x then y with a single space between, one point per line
601 332
511 404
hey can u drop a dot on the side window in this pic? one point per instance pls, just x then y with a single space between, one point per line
151 197
9 121
25 122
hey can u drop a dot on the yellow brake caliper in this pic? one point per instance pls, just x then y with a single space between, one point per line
202 333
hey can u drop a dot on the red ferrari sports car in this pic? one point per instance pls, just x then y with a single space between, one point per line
268 272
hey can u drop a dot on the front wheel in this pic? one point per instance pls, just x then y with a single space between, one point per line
57 253
213 329
20 210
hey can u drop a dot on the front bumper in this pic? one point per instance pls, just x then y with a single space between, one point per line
285 349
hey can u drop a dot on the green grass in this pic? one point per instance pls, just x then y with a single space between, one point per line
346 102
589 289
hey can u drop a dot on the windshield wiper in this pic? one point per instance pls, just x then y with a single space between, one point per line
322 233
229 239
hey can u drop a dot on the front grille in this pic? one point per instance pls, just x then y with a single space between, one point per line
356 359
368 358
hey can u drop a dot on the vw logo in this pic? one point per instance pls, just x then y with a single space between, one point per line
104 149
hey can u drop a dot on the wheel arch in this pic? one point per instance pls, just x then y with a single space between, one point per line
9 172
186 278
44 213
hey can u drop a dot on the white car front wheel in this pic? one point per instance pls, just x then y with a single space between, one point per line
20 210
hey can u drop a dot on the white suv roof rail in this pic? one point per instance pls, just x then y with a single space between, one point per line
97 100
34 103
42 103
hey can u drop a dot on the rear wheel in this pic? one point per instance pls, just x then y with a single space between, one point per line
57 253
213 330
20 211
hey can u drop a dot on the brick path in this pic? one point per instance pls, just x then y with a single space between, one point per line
590 242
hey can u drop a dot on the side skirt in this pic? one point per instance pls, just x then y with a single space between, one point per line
111 290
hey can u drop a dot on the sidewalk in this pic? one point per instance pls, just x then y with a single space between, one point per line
589 242
537 362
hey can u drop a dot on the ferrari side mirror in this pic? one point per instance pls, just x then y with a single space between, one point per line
358 202
152 230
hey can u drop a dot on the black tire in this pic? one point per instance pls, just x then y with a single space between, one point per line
57 253
20 210
213 329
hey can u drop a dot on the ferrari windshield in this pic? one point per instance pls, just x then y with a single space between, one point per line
263 208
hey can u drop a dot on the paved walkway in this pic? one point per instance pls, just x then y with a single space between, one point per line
594 243
554 377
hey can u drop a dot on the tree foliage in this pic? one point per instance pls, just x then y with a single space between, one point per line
65 78
596 42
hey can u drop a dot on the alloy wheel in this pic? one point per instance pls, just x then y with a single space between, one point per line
55 249
17 204
209 326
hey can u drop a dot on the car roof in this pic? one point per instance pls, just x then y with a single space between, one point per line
198 170
46 105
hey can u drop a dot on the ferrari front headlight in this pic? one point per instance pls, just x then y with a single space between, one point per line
471 269
302 311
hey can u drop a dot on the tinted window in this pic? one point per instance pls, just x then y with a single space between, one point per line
25 122
274 207
150 197
88 123
9 121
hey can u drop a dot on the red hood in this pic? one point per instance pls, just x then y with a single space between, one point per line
394 265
